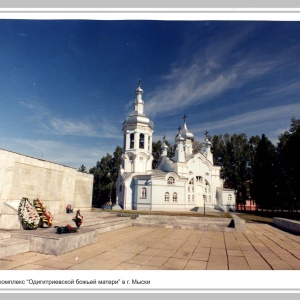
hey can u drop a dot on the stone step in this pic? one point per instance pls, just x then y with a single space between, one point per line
204 227
111 224
12 246
184 222
4 235
88 222
47 241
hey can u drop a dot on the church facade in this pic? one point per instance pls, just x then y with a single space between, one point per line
186 182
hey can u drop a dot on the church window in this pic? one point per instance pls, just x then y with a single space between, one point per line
148 143
131 140
171 180
204 198
189 198
142 141
193 200
191 181
199 179
229 197
167 197
207 187
144 193
189 189
174 197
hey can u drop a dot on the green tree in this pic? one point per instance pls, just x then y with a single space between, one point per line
288 151
157 151
196 147
233 154
105 176
82 169
264 186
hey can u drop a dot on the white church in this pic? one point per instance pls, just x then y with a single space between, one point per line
185 182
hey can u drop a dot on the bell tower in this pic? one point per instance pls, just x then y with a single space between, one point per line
138 129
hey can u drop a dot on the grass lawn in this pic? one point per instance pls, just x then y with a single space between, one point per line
267 216
174 213
255 218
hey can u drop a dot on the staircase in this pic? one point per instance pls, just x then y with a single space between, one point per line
11 246
182 222
102 222
16 241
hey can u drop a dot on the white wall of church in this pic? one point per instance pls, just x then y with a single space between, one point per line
205 178
55 185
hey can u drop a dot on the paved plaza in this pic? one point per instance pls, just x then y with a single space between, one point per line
260 247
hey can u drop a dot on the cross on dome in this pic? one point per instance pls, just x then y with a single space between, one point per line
206 134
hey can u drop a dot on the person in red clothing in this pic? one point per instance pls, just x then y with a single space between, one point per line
78 218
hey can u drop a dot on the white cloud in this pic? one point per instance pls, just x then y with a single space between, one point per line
67 127
266 121
48 123
72 155
199 82
271 121
226 63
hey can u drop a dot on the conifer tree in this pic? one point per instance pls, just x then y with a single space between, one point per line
264 185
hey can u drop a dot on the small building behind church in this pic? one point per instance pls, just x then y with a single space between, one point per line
188 181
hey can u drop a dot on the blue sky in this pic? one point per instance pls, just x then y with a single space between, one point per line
67 86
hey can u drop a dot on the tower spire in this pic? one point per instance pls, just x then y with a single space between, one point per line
139 103
164 147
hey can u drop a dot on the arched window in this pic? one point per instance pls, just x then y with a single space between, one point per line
171 180
131 140
144 193
199 179
207 187
142 141
174 197
229 197
167 197
148 143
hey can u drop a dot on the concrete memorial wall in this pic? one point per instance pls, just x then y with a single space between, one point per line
55 185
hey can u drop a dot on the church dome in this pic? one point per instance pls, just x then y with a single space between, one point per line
136 118
185 133
179 137
139 90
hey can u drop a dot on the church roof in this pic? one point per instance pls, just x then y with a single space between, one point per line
125 176
138 116
135 118
185 133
